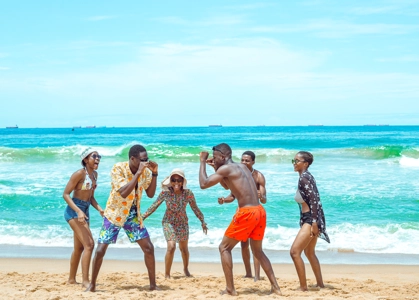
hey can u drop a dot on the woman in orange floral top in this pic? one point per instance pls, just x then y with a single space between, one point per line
175 220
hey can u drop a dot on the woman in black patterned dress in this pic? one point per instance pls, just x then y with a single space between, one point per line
312 221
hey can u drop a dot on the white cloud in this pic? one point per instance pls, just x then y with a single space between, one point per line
220 75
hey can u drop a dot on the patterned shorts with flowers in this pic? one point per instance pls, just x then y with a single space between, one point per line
109 232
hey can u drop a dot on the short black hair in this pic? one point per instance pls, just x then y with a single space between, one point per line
223 148
136 150
308 157
250 153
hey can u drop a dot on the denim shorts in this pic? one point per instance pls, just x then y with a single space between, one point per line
109 232
306 218
69 213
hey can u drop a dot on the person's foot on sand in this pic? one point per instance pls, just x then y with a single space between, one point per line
91 288
300 289
276 291
72 281
256 278
154 288
248 276
187 274
167 276
86 284
227 292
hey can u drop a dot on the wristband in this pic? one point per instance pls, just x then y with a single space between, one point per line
154 174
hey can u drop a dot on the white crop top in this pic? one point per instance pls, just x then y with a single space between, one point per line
298 197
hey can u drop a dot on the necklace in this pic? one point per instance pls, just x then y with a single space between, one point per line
253 170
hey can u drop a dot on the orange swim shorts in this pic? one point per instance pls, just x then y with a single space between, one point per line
248 222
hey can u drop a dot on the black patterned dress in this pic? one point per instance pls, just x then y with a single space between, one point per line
175 220
308 190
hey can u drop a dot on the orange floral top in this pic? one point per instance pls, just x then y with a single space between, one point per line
117 207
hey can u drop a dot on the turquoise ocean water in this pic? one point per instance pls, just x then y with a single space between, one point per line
366 175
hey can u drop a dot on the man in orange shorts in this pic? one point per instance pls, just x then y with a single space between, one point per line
249 221
248 159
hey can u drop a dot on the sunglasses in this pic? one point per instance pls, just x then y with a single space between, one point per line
94 156
176 180
143 159
216 149
296 161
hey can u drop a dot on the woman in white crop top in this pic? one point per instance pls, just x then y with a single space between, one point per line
312 221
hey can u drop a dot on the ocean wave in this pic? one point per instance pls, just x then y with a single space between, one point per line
383 152
191 153
388 239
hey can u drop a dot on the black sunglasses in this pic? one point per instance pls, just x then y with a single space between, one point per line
296 161
176 180
143 159
94 156
216 149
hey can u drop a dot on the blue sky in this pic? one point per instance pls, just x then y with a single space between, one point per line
195 63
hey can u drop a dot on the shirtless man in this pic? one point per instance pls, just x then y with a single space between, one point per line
248 158
250 219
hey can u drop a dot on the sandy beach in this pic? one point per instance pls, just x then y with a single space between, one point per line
46 279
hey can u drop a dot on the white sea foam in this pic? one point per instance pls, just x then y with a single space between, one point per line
345 237
409 161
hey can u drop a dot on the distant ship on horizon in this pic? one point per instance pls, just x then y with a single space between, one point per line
92 126
216 125
315 125
12 127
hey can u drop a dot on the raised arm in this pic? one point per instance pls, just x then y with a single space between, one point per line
151 189
125 186
153 206
205 181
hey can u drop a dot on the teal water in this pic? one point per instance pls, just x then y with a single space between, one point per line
366 178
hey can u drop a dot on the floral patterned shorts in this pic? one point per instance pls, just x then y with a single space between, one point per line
109 232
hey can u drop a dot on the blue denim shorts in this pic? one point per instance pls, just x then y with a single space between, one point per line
69 213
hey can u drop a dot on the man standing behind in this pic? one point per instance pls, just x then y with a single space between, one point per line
248 159
250 219
129 179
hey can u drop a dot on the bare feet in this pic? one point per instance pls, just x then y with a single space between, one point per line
186 271
167 276
86 284
257 278
301 289
276 290
154 288
227 292
72 281
91 288
248 276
